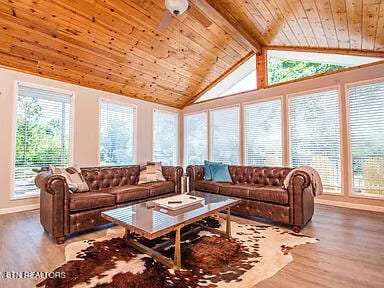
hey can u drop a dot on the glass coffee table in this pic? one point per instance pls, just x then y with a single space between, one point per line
150 220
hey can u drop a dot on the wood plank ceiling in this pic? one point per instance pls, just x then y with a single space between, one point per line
114 45
341 24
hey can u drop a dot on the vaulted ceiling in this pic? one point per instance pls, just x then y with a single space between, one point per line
114 45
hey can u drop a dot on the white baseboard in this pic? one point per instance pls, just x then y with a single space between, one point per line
19 208
350 205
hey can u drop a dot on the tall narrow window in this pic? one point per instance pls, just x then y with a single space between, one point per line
165 137
263 145
226 135
366 104
315 135
196 138
43 134
117 134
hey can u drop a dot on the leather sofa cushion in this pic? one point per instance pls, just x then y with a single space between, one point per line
90 200
207 186
237 190
159 188
128 193
270 194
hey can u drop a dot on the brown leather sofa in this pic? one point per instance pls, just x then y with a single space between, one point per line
63 213
261 189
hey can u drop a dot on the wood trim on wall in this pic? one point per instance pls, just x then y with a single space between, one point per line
19 208
261 69
349 205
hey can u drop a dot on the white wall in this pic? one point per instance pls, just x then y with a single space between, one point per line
86 127
338 79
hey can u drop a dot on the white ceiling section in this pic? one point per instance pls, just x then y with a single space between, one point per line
335 59
241 79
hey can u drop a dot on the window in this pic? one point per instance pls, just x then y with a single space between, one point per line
263 145
43 134
290 65
226 135
241 79
196 138
315 135
165 137
366 104
117 134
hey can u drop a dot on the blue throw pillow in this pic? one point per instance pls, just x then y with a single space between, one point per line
220 173
207 169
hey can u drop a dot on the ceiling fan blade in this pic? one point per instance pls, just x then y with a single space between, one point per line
165 21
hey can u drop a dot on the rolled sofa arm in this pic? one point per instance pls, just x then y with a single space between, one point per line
194 172
301 198
174 174
54 194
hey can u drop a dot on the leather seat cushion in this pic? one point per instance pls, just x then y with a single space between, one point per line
159 188
128 193
237 190
272 194
90 200
207 186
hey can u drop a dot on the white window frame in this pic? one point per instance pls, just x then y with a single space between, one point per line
185 134
348 161
210 131
243 105
341 136
17 83
116 102
177 134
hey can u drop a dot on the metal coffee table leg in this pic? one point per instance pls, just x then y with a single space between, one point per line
228 224
177 257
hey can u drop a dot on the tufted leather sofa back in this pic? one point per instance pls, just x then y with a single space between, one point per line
272 176
105 177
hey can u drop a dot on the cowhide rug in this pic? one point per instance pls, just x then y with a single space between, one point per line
256 252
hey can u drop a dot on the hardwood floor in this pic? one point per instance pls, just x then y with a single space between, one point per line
350 252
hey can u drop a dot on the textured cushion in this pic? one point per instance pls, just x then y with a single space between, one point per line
75 180
128 193
270 194
235 190
220 173
90 200
159 188
151 173
106 177
207 169
207 186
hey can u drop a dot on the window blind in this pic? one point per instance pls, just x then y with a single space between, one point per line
366 104
165 137
263 144
117 134
315 135
226 135
43 134
196 138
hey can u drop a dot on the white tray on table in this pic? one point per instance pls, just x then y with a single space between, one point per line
186 200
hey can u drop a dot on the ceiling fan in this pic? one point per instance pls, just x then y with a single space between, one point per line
174 8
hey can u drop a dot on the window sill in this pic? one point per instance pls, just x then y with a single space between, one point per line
30 196
373 197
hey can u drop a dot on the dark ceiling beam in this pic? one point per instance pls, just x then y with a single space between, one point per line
214 10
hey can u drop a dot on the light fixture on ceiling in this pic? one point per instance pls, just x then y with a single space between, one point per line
177 7
174 8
